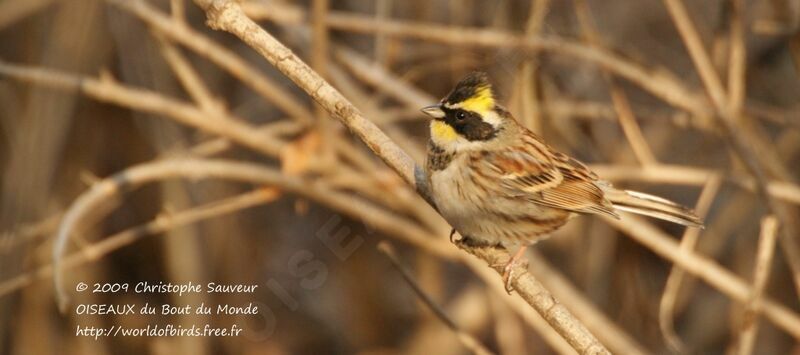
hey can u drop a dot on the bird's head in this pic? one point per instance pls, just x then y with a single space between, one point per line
468 116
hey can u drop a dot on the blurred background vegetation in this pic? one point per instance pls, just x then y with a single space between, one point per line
90 88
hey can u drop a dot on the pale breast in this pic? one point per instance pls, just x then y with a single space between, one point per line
455 195
475 209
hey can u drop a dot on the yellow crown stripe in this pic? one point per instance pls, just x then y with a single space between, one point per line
480 102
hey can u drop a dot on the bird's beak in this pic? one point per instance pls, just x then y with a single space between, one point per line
434 111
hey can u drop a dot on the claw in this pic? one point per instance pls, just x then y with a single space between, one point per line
452 233
508 273
508 269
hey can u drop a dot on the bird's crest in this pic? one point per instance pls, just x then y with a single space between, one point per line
473 93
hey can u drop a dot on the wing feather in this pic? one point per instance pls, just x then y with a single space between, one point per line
543 176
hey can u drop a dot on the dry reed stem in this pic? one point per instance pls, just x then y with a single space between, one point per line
228 16
320 54
617 339
466 339
197 89
162 223
217 122
107 89
13 11
420 238
465 307
510 334
657 176
194 85
536 295
356 208
462 36
737 65
226 59
30 232
159 170
687 175
528 315
370 214
383 9
625 115
350 89
705 68
530 104
363 69
666 309
658 82
178 10
742 140
197 169
597 323
706 269
188 76
766 247
388 83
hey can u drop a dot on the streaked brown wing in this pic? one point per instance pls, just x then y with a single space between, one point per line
571 166
545 177
578 196
522 173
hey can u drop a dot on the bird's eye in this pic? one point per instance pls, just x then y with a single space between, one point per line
460 115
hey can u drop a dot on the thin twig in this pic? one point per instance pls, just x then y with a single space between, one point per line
766 247
227 16
618 340
530 104
217 121
627 119
107 89
687 175
197 169
376 217
361 68
536 295
160 224
742 140
666 310
13 11
188 76
658 82
737 62
225 58
706 269
320 49
466 339
702 61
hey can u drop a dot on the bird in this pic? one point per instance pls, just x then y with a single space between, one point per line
499 184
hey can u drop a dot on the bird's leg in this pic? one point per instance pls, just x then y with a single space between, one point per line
452 233
508 269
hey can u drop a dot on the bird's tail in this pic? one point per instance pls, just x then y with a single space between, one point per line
652 206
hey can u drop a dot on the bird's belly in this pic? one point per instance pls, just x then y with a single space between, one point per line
488 218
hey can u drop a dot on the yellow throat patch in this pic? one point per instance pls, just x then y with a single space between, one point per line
481 102
442 132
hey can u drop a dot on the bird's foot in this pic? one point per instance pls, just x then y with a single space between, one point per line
508 268
467 241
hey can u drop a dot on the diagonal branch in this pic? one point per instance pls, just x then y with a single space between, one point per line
228 16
